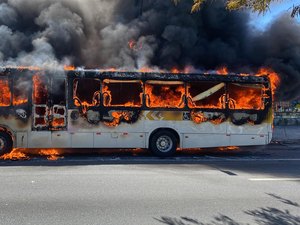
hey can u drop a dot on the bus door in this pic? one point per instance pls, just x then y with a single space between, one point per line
49 103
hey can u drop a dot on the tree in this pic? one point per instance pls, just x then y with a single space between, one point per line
259 6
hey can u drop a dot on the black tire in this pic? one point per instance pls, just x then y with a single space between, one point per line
6 143
163 143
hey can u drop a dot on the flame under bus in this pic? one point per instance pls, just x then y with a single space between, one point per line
161 111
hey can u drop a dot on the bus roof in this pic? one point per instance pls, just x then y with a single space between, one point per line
127 75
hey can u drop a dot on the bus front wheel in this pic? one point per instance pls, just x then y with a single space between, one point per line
5 143
163 143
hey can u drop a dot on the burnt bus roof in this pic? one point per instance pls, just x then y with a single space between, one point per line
119 75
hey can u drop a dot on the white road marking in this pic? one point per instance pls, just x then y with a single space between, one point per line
274 179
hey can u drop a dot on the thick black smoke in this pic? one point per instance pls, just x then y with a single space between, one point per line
96 33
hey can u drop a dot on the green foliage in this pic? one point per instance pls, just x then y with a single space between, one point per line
259 6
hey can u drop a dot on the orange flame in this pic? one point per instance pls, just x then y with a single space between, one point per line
84 104
229 148
145 70
23 154
51 153
15 154
25 67
165 96
108 99
40 91
19 101
58 122
273 76
117 117
5 94
133 45
242 97
222 70
69 67
175 70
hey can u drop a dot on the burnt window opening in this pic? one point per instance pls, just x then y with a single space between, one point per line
59 103
206 95
164 94
40 122
21 89
59 92
86 92
246 96
122 93
5 93
40 90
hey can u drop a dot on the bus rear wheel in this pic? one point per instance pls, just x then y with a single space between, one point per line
163 143
5 143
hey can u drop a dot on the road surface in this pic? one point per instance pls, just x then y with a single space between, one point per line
254 185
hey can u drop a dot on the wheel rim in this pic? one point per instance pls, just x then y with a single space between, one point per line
2 144
164 143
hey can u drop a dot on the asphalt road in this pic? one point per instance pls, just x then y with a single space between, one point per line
254 185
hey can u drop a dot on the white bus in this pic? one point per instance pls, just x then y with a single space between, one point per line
158 111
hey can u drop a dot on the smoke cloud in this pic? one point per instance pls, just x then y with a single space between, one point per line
97 33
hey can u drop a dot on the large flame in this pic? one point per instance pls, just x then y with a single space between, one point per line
15 154
24 154
69 67
273 76
222 70
165 95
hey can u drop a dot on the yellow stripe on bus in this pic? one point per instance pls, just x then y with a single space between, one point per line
164 115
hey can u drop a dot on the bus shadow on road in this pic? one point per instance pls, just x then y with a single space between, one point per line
61 157
260 216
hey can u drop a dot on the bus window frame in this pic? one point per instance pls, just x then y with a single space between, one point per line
188 98
70 98
263 99
120 106
163 82
28 93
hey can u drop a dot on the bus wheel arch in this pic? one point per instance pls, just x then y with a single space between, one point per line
163 142
6 142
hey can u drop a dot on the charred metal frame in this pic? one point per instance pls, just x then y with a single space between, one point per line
104 111
156 76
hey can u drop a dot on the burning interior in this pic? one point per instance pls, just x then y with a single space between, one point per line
246 96
5 93
115 97
20 91
40 96
164 94
58 109
86 93
206 95
128 93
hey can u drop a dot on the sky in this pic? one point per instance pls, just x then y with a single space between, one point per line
277 8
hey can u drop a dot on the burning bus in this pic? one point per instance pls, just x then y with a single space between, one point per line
110 109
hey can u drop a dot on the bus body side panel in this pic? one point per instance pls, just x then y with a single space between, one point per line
101 135
39 139
192 135
18 125
248 134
